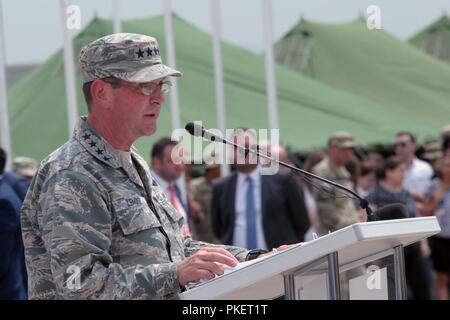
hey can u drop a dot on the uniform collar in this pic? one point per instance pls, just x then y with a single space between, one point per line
102 150
96 145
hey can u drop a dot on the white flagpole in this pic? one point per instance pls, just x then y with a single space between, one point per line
170 47
117 24
4 114
271 84
174 103
218 74
69 70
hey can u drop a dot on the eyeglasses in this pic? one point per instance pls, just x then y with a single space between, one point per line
146 89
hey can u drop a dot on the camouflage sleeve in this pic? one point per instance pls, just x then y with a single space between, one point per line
327 212
192 246
77 234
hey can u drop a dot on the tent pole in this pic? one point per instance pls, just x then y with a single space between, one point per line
5 133
218 76
69 70
271 85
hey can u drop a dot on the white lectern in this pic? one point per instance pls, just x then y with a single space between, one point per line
319 269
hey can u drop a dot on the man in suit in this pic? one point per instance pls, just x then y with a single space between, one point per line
257 211
12 264
167 173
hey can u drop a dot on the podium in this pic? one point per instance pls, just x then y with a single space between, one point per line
361 261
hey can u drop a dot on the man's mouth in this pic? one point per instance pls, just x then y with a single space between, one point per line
152 115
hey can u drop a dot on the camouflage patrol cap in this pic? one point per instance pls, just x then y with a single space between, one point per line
25 166
127 56
341 139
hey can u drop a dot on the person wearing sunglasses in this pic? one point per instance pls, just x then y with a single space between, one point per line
418 172
94 224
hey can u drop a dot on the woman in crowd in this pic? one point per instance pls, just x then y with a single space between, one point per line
388 191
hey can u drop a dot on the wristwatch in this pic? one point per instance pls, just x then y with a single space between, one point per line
253 254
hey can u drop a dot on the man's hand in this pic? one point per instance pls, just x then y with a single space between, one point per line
206 263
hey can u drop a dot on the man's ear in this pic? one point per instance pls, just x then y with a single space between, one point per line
101 92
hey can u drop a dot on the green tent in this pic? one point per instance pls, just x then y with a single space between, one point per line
435 39
370 63
308 110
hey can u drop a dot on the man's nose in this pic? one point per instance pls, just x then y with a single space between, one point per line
157 97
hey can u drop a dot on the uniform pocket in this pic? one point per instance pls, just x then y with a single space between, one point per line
134 214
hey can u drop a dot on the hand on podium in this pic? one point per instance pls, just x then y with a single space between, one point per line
206 263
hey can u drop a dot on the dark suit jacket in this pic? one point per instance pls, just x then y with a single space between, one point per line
284 216
12 260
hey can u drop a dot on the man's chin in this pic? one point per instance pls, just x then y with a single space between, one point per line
148 131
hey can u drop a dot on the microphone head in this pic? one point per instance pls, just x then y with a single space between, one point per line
392 211
190 127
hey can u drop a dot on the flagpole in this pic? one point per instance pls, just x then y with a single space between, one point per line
271 84
69 70
218 75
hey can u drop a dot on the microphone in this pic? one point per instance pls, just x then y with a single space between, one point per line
199 131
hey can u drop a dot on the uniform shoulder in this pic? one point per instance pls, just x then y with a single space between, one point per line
322 166
71 156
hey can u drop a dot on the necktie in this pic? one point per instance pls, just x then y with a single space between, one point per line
177 205
250 215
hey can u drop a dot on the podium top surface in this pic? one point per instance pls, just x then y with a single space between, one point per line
352 243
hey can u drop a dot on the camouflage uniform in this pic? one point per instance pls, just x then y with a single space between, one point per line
94 226
88 208
202 193
333 212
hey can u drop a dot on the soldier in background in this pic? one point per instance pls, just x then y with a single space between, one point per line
335 212
24 166
94 226
201 191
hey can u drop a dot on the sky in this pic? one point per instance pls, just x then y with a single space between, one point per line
32 29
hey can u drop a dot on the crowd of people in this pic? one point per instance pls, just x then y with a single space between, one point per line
401 177
135 230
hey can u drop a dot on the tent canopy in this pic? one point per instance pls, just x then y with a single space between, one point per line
309 111
435 39
373 64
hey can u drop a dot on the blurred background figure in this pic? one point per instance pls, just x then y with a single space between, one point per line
438 203
445 140
24 166
254 210
17 180
388 191
13 274
367 179
285 156
201 190
168 175
335 212
418 172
